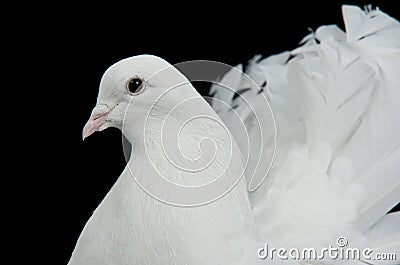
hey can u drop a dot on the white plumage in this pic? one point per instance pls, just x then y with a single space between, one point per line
336 170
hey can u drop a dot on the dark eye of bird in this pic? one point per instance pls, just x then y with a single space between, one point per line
135 85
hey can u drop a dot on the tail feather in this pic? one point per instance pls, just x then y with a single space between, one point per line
384 237
340 89
382 184
223 90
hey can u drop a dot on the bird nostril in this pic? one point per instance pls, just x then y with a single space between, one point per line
97 116
100 111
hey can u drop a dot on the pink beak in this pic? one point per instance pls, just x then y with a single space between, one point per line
97 119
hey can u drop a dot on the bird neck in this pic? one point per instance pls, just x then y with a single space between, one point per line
184 151
184 148
177 136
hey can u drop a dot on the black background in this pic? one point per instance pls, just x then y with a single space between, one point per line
80 43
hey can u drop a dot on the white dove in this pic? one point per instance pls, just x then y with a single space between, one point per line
335 172
132 227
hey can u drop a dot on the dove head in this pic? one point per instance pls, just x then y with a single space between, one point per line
130 88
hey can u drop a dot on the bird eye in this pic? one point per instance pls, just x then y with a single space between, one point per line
135 85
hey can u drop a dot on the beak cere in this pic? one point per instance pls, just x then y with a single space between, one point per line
97 119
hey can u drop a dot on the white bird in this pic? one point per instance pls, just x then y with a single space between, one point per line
132 227
335 173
